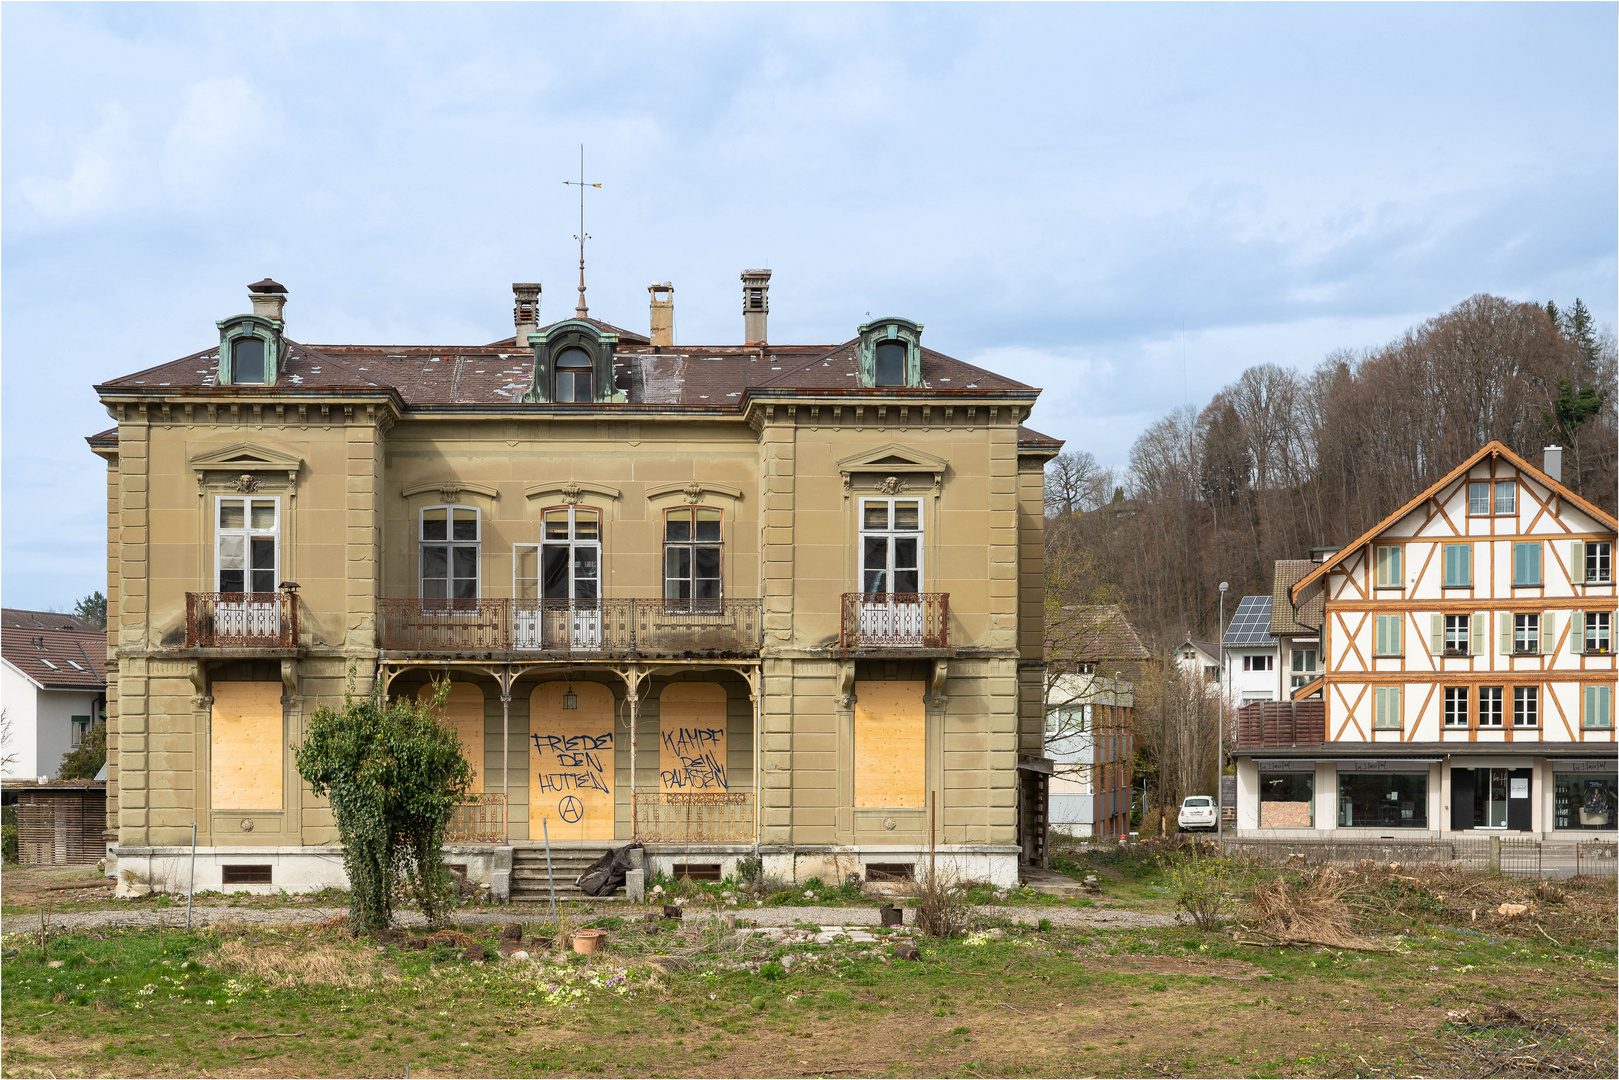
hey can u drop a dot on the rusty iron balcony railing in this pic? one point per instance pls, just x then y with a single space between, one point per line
896 621
606 628
698 817
267 620
1264 725
479 820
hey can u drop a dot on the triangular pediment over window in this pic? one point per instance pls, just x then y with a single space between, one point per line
893 460
246 457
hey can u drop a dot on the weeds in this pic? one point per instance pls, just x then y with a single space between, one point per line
1201 888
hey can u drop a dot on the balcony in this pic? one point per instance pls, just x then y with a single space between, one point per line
896 621
596 628
1271 725
222 620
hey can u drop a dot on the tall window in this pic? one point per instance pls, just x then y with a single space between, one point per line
1478 499
891 546
1390 567
1526 563
1386 711
247 360
449 553
1388 641
691 555
1525 706
1458 565
247 540
570 558
1455 706
574 376
1599 561
1598 631
1506 497
1599 706
1489 706
890 363
1457 634
1526 633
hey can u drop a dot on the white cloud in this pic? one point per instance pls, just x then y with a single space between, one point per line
224 129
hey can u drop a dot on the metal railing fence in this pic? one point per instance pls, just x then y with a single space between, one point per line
1526 857
610 627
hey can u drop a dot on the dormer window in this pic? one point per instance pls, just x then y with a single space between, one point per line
574 370
890 363
247 360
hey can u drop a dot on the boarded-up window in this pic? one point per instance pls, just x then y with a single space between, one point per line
247 746
890 743
691 738
463 710
571 762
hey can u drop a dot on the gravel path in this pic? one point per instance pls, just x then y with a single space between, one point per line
1110 918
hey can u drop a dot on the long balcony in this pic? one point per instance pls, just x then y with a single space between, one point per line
223 620
896 621
1271 725
595 628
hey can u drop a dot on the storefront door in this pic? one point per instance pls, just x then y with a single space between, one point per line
1491 799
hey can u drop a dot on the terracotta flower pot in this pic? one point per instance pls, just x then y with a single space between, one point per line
589 941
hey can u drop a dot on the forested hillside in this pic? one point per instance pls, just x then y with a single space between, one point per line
1281 461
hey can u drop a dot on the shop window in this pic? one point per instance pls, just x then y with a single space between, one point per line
1526 564
1287 800
1598 706
1585 800
1458 566
449 553
1525 706
1382 800
1490 700
1456 706
1390 567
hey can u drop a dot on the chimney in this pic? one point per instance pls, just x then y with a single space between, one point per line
663 313
269 299
755 306
1554 463
525 311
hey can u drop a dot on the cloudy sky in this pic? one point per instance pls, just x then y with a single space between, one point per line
1125 204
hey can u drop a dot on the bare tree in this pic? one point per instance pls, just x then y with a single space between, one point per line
1076 483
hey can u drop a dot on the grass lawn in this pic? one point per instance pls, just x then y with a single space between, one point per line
676 1001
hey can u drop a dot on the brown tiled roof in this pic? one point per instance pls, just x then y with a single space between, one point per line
1027 436
56 651
1286 620
1103 633
698 376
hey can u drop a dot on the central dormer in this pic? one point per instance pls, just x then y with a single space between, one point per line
891 353
573 364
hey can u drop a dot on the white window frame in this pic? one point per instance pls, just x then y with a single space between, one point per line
1496 716
691 546
891 534
1523 623
1451 715
1458 640
1597 632
449 542
573 543
1495 497
1531 695
247 533
1471 485
1599 558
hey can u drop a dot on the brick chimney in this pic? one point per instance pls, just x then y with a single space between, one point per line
1553 462
525 310
269 299
663 313
755 306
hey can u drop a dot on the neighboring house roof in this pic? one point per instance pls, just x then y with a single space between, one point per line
1103 633
1288 619
1495 447
45 620
57 659
1250 625
1207 648
715 377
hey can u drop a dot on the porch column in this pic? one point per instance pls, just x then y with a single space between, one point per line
632 683
506 753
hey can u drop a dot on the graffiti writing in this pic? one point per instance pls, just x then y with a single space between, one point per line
572 762
699 752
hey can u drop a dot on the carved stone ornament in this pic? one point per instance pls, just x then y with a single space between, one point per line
247 824
572 493
893 485
693 492
450 493
890 824
246 483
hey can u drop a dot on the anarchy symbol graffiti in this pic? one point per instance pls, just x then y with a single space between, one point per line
571 809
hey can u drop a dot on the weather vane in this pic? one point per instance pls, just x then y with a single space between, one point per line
582 310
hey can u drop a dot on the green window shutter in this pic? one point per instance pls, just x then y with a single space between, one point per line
1458 564
1548 632
1386 707
1526 563
1598 706
1436 635
1382 561
1475 644
1576 633
1506 634
1576 561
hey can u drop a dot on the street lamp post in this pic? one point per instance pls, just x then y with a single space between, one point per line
1219 746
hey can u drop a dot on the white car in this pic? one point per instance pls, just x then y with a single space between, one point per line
1197 812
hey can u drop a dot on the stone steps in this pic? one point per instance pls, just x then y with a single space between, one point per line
529 879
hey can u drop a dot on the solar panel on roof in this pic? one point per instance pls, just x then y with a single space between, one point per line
1250 625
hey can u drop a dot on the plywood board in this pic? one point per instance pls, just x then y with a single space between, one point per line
571 763
691 738
246 746
463 710
890 744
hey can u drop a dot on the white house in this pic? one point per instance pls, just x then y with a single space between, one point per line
1467 670
1251 653
53 687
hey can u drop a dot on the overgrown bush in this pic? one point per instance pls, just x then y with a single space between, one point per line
1201 887
84 761
393 772
941 904
12 837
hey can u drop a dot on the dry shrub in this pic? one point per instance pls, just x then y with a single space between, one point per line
452 937
289 966
940 903
1313 911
